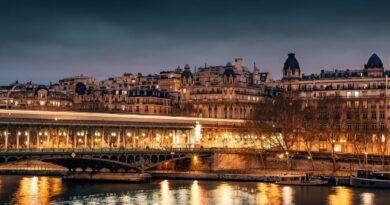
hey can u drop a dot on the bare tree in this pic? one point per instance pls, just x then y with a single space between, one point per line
281 119
310 129
381 145
331 122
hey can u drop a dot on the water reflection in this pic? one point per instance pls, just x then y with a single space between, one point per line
196 194
288 195
166 195
341 195
37 190
46 190
268 194
367 198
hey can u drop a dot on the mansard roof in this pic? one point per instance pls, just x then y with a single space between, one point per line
80 88
229 72
291 62
374 62
187 72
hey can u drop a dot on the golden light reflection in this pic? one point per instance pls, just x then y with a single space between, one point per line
196 194
288 195
37 190
268 194
224 194
367 198
341 196
166 197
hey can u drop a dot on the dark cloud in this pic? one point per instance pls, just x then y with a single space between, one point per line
44 40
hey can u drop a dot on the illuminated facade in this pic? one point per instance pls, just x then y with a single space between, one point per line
366 95
33 96
229 92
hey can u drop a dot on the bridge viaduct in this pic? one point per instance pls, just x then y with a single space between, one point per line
80 140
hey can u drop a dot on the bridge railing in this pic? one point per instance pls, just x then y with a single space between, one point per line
98 150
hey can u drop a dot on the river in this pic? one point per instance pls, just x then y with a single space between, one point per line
32 190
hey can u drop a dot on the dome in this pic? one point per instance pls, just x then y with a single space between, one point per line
229 64
41 87
229 72
80 88
187 72
374 62
291 62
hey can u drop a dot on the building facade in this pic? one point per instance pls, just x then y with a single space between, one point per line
229 92
366 101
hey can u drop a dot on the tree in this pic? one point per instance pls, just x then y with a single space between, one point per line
381 145
310 129
331 122
281 120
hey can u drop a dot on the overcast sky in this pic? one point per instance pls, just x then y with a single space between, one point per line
43 41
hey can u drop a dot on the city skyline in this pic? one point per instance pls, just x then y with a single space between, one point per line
48 41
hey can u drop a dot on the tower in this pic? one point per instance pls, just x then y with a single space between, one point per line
291 73
374 66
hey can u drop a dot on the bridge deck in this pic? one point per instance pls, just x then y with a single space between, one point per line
34 117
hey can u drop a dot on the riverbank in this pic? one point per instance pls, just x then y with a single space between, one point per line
109 177
260 176
212 176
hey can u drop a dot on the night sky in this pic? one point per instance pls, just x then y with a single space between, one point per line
43 41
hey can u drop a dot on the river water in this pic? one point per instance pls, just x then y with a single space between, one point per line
31 190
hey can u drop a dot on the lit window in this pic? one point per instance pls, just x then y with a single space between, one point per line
337 148
356 94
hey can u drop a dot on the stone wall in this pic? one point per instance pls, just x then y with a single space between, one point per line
220 162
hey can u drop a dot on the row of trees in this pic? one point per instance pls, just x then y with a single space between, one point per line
285 120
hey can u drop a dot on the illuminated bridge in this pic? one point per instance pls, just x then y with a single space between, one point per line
114 141
26 129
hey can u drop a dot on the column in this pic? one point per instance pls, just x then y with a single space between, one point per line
109 140
118 144
124 136
67 138
17 140
28 139
57 140
85 138
134 133
188 145
174 140
149 140
37 136
74 138
101 144
163 138
6 139
48 138
93 132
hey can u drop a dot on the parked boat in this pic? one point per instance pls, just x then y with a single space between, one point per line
371 179
301 180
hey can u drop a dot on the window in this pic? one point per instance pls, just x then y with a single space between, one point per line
373 115
382 115
365 115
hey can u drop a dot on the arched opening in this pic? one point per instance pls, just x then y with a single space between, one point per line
154 158
114 158
122 158
161 158
130 159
